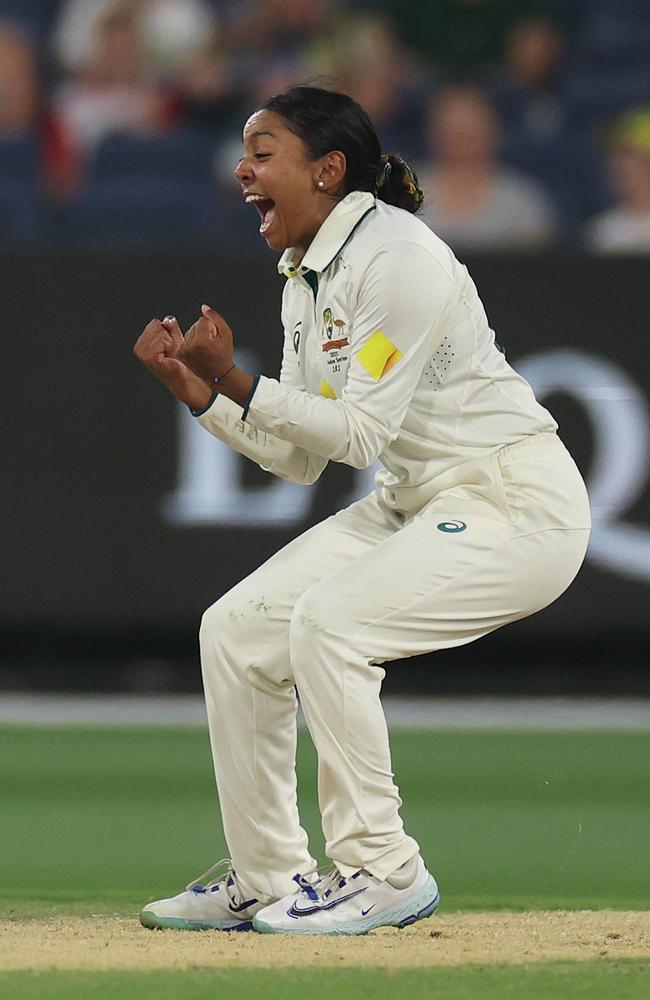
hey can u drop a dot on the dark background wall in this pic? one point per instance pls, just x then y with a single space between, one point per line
120 520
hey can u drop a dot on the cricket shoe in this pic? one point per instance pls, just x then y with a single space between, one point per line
355 905
210 903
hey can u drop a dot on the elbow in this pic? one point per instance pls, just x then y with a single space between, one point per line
364 451
313 470
363 454
309 479
356 461
366 440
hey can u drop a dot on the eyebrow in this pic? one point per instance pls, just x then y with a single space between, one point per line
256 135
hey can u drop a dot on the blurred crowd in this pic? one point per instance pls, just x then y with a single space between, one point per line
527 121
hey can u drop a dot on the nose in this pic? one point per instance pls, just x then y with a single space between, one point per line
243 170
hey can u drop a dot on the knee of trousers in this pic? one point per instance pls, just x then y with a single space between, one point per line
317 631
238 646
220 639
214 623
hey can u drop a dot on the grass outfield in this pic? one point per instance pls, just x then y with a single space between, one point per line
100 821
599 980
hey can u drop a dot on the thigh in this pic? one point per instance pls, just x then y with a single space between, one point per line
266 598
441 582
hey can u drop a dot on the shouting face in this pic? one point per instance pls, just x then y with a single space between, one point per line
292 193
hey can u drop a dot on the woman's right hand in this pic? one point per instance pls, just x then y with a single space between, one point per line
156 348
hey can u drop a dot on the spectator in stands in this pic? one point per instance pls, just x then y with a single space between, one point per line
460 35
175 33
539 138
625 228
366 59
272 27
74 33
210 91
19 85
271 39
608 69
471 201
525 88
172 32
112 89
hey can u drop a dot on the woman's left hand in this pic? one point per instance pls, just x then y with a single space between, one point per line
207 348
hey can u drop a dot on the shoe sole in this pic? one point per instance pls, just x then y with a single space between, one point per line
155 923
399 917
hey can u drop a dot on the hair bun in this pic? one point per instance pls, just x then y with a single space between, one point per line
397 183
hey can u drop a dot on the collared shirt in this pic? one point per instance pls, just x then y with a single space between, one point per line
388 355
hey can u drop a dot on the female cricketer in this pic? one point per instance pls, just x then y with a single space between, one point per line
479 517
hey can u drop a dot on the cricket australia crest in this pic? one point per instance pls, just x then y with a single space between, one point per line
335 356
334 340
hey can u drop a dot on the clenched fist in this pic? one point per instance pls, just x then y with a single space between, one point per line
189 365
208 346
157 347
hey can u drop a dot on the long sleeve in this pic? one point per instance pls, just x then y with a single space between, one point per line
396 327
283 458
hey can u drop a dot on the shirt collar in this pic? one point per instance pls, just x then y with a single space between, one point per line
330 239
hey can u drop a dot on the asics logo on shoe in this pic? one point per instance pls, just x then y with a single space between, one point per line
242 906
296 911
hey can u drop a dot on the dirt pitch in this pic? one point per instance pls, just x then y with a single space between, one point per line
450 939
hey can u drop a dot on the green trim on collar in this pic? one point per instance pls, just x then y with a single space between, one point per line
330 239
350 235
312 280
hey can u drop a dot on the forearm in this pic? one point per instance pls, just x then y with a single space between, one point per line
282 458
340 431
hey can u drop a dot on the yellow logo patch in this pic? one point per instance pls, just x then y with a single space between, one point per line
326 390
379 355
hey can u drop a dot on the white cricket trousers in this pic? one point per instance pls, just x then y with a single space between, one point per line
367 585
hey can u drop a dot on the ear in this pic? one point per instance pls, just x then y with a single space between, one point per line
331 171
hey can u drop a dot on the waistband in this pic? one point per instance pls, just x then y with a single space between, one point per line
482 472
530 447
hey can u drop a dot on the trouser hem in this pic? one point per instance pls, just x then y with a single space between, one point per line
384 866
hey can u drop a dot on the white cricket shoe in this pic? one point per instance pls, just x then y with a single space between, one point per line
208 904
356 905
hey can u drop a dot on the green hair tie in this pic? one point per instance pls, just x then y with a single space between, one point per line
383 173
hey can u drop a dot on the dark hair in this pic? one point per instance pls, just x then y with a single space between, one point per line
327 120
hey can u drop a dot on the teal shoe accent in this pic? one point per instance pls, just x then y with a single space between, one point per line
153 922
263 928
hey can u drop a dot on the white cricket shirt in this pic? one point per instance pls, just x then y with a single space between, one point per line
388 355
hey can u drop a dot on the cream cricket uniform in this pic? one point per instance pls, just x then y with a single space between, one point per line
480 517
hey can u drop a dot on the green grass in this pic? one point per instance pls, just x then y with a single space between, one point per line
594 980
97 820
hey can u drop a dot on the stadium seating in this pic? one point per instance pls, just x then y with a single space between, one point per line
20 201
570 171
181 155
160 214
608 70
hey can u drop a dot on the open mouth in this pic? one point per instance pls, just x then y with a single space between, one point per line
266 209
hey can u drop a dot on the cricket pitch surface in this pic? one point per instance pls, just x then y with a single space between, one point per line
105 942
